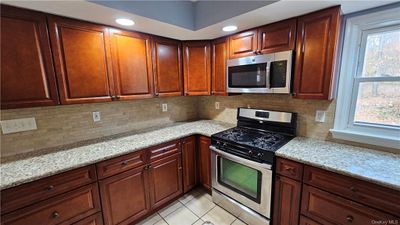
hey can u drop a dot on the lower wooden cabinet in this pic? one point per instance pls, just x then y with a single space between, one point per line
305 221
287 201
125 196
96 219
189 163
205 161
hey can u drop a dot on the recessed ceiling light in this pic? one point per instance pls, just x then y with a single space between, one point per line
229 28
125 22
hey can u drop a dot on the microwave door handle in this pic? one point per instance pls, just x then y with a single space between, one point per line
268 75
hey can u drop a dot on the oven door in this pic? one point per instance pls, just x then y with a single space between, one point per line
243 180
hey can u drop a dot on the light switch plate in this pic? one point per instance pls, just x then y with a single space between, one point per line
320 116
18 125
164 107
216 105
96 116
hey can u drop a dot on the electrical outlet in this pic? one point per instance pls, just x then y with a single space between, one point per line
216 105
320 116
96 116
18 125
164 107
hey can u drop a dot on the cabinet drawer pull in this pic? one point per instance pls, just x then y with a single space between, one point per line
349 219
124 163
353 189
289 169
55 215
50 188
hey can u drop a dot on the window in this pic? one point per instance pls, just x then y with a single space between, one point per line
368 106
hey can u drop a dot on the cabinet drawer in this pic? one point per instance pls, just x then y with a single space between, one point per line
305 221
327 208
382 198
289 168
163 150
64 209
26 194
121 164
96 219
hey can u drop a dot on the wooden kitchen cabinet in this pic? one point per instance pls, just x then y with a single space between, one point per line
317 37
197 66
219 56
165 179
276 37
243 44
81 55
167 67
27 74
189 163
205 161
132 64
286 201
96 219
125 197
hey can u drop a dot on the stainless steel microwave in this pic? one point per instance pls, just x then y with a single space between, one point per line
269 73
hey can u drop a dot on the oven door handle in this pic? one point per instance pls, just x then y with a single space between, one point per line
240 159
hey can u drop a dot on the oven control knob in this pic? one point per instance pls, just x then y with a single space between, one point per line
260 155
250 152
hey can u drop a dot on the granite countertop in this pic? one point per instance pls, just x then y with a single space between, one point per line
378 167
375 166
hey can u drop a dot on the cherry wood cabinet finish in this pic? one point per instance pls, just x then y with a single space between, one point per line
27 74
132 64
277 37
165 180
327 208
360 191
197 66
289 169
317 37
163 150
205 161
307 221
121 164
219 55
189 163
243 44
82 60
63 209
27 194
287 201
96 219
167 67
125 197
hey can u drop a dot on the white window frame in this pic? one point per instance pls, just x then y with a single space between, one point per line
356 31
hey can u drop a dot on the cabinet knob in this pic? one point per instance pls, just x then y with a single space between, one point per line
157 94
289 169
353 189
50 188
55 215
124 163
349 219
259 52
255 52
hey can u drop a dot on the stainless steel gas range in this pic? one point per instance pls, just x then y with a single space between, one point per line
242 162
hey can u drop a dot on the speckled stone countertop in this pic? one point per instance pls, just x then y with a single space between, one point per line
378 167
30 169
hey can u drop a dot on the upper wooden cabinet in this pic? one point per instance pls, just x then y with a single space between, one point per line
317 37
132 64
276 37
82 60
27 74
196 64
219 55
243 44
167 67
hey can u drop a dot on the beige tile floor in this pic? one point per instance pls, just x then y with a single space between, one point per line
195 208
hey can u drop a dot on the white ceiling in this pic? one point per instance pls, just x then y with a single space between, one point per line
280 10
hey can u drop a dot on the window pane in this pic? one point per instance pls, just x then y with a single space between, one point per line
378 102
382 54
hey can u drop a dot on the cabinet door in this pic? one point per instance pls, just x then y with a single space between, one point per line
96 219
189 161
196 63
165 179
167 67
277 37
317 36
205 161
219 52
243 44
27 74
306 221
125 196
132 66
81 56
287 201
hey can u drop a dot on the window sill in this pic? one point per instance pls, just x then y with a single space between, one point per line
365 138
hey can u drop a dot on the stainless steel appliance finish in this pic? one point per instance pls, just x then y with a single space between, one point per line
273 116
262 77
